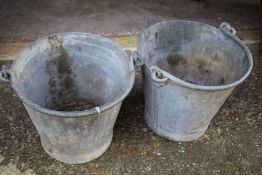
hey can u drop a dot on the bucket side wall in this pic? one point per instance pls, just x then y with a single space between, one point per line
180 113
75 140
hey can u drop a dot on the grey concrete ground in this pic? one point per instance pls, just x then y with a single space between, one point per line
30 19
232 144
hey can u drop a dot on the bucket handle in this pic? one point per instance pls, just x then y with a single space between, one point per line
137 61
157 74
227 27
160 76
5 74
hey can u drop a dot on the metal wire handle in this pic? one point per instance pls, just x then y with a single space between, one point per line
136 59
5 74
227 27
157 74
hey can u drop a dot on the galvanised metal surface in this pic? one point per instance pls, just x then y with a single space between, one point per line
190 70
62 69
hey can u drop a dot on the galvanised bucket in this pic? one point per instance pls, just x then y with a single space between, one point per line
72 86
190 70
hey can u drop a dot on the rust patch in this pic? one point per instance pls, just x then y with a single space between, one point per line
76 105
55 41
196 70
156 35
64 93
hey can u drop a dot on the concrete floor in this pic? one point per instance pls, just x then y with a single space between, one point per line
233 142
27 20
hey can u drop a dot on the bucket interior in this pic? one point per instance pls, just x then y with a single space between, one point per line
72 72
194 52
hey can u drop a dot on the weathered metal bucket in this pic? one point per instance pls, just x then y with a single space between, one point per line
190 70
72 86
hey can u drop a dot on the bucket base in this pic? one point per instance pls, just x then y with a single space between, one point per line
77 159
173 136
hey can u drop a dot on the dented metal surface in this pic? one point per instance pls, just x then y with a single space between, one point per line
190 70
63 69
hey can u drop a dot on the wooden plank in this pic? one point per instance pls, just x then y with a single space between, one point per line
249 37
126 42
9 50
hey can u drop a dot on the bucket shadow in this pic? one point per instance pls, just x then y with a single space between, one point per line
130 125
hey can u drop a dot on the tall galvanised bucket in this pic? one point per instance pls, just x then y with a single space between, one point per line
72 86
190 70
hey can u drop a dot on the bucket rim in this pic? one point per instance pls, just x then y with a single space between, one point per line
173 79
74 114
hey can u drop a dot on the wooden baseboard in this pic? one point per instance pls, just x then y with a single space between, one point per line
8 51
